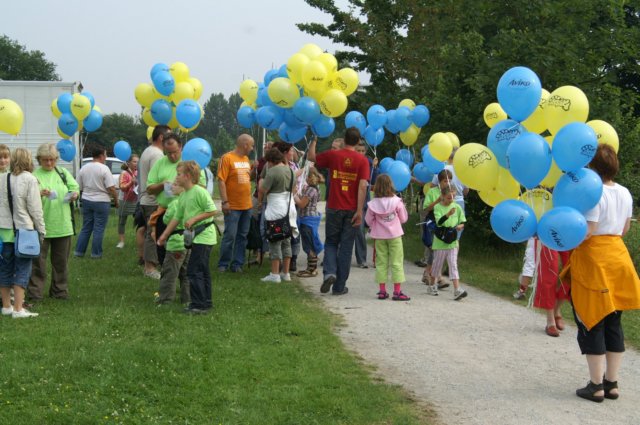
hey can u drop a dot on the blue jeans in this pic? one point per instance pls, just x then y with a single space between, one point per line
234 240
199 277
94 220
338 248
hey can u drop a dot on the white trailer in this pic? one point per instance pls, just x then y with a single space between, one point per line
40 125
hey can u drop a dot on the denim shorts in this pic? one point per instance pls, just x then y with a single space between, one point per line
14 270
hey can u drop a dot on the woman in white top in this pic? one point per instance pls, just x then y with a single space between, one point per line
27 214
604 281
97 187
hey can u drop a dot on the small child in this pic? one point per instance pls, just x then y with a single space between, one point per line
5 158
174 266
450 215
195 212
385 215
309 217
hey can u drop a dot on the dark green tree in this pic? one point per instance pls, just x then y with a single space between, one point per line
18 63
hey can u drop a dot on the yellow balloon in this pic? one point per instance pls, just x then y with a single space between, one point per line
250 105
311 50
157 95
536 123
329 61
440 146
295 65
147 118
605 133
149 132
197 87
182 91
455 142
565 105
410 135
249 91
283 92
316 95
179 71
97 108
493 114
408 103
11 116
549 140
333 103
346 80
426 188
54 108
476 166
539 200
552 176
80 106
62 134
186 130
314 75
173 122
145 95
506 188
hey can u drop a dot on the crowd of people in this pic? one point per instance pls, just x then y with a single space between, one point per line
171 202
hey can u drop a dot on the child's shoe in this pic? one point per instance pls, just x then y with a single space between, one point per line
459 294
383 295
399 296
432 290
275 278
285 277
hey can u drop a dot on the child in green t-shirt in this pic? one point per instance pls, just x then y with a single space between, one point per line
195 212
431 199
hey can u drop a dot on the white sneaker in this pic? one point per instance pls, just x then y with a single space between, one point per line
459 294
432 290
22 314
120 245
154 274
286 277
275 278
7 311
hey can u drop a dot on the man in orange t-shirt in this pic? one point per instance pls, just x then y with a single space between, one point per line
234 182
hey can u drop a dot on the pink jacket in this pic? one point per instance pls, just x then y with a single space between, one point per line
385 217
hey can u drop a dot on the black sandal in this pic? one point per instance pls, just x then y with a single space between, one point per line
608 386
589 392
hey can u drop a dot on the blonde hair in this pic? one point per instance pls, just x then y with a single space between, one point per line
47 150
191 169
21 160
314 177
5 151
384 187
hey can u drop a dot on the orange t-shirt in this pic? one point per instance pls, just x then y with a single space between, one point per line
234 171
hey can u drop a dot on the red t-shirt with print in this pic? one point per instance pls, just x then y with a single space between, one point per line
346 169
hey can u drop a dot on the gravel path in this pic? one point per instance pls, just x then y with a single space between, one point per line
481 360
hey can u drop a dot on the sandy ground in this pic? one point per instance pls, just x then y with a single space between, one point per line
481 360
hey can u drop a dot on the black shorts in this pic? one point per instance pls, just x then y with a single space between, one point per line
607 335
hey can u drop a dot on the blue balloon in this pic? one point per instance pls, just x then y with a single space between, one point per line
163 82
93 122
282 71
269 76
422 173
519 92
581 189
405 156
562 228
401 118
383 166
377 116
263 98
574 146
430 162
90 97
269 117
391 122
291 120
501 136
373 136
323 126
188 113
400 174
161 111
198 150
420 115
513 221
122 150
357 120
68 124
291 134
64 103
158 67
306 110
66 149
529 159
246 116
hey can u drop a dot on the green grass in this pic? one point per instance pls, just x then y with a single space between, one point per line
494 267
265 355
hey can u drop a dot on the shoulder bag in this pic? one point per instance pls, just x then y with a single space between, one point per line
27 242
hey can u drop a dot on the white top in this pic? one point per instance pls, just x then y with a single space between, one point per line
613 210
94 178
149 157
27 204
456 182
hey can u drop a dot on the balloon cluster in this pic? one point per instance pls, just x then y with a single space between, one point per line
539 140
11 117
74 112
309 91
172 97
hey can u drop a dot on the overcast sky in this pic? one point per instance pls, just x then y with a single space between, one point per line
111 46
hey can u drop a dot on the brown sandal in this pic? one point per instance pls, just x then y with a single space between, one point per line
308 273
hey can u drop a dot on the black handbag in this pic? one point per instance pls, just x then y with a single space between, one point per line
446 234
280 229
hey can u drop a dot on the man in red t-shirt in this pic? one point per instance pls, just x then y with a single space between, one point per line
349 176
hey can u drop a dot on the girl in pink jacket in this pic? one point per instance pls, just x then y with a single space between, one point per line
385 215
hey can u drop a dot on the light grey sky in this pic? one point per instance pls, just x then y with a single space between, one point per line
110 46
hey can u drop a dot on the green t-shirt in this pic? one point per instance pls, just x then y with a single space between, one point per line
57 214
277 179
166 171
6 235
175 242
431 196
457 218
193 202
